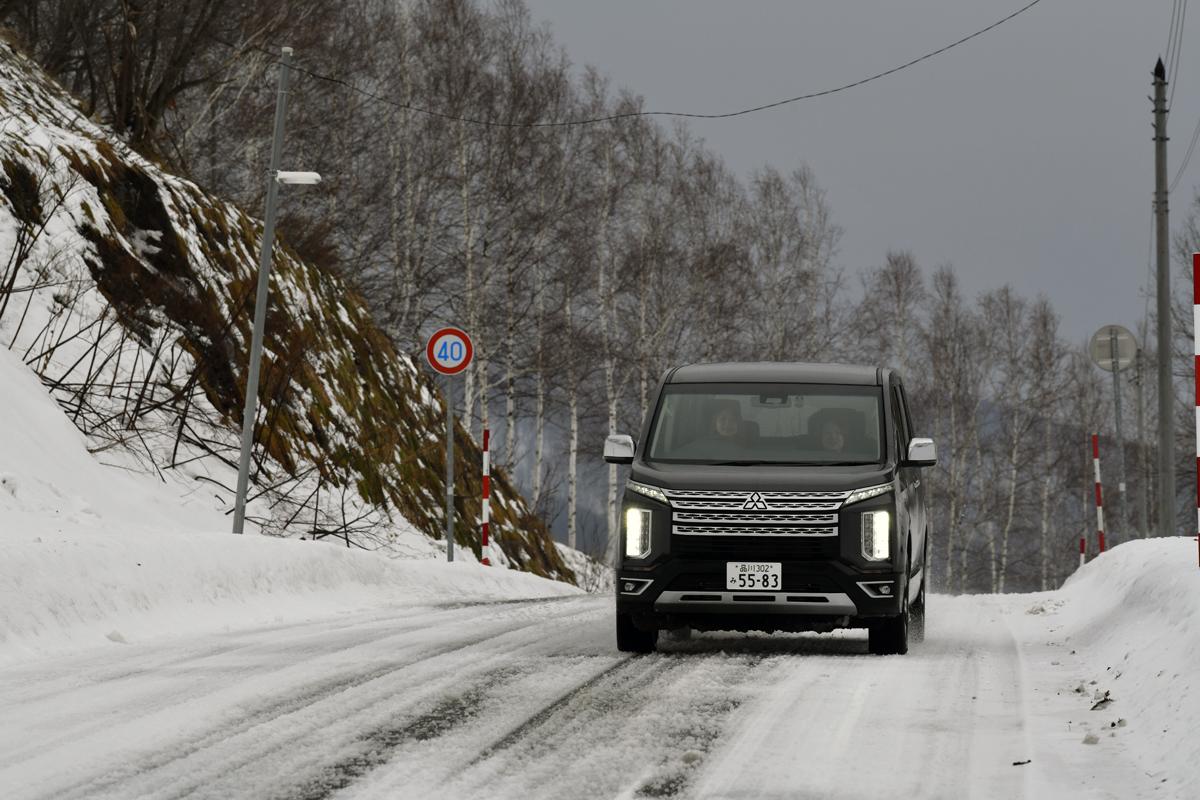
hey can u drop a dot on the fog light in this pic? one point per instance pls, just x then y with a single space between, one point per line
637 532
876 543
885 590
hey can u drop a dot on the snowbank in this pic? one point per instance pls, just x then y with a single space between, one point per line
73 590
593 576
1115 662
1136 612
93 552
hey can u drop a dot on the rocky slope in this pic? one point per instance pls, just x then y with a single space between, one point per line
130 291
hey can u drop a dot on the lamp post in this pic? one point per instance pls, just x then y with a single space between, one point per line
277 179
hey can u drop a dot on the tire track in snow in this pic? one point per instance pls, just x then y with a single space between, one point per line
668 709
57 675
612 673
299 699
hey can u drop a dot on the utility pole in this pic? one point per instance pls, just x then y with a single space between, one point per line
1166 392
1139 367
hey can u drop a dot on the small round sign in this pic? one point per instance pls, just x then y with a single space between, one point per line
449 351
1113 348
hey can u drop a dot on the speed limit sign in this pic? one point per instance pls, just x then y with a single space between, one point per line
449 351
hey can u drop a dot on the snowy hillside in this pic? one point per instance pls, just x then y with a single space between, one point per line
128 291
96 554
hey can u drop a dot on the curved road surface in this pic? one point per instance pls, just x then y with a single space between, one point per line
531 700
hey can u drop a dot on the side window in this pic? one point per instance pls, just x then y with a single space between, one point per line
900 413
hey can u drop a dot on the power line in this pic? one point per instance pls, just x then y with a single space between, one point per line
1186 158
630 114
1171 31
1174 71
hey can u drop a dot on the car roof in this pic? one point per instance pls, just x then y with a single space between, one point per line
778 372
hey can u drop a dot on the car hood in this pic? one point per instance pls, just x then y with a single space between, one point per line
760 477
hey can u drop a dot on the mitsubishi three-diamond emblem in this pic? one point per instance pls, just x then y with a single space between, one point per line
755 502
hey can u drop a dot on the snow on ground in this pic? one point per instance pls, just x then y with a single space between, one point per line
530 699
146 652
94 554
1114 658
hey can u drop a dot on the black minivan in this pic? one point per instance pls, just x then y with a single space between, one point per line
774 497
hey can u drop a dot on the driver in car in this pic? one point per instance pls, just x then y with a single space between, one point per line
832 437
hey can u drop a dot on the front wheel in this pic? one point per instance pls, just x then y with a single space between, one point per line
632 639
916 625
889 636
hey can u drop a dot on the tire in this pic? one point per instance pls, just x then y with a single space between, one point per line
889 636
632 639
916 621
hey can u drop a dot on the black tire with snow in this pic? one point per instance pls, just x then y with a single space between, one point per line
632 639
889 636
916 621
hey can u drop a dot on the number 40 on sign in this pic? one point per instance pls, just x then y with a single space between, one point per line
449 351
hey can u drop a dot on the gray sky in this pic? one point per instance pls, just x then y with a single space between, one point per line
1023 157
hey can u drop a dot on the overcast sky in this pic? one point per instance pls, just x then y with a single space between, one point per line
1024 156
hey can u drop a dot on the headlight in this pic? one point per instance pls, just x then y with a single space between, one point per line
858 495
653 492
876 543
637 532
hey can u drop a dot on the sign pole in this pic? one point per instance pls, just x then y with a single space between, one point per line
449 352
1114 348
1116 373
1099 495
1140 451
449 468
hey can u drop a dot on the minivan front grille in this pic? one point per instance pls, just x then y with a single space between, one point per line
755 548
774 514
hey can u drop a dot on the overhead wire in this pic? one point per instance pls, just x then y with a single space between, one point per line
1173 73
630 114
1191 149
1171 32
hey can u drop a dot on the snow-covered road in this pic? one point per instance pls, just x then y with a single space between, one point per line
531 700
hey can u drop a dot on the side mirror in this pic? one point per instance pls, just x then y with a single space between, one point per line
921 453
619 449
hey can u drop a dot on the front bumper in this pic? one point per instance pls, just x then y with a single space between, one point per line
816 595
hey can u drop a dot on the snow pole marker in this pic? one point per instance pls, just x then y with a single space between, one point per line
485 549
1099 497
1196 336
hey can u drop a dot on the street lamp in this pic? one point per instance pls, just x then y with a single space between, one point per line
264 281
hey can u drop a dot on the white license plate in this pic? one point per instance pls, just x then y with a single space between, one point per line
754 575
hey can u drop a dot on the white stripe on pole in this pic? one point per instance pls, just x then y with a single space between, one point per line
485 544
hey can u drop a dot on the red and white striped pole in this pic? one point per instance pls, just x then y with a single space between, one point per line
485 549
1099 497
1196 335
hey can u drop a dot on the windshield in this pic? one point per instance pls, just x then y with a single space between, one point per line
769 423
